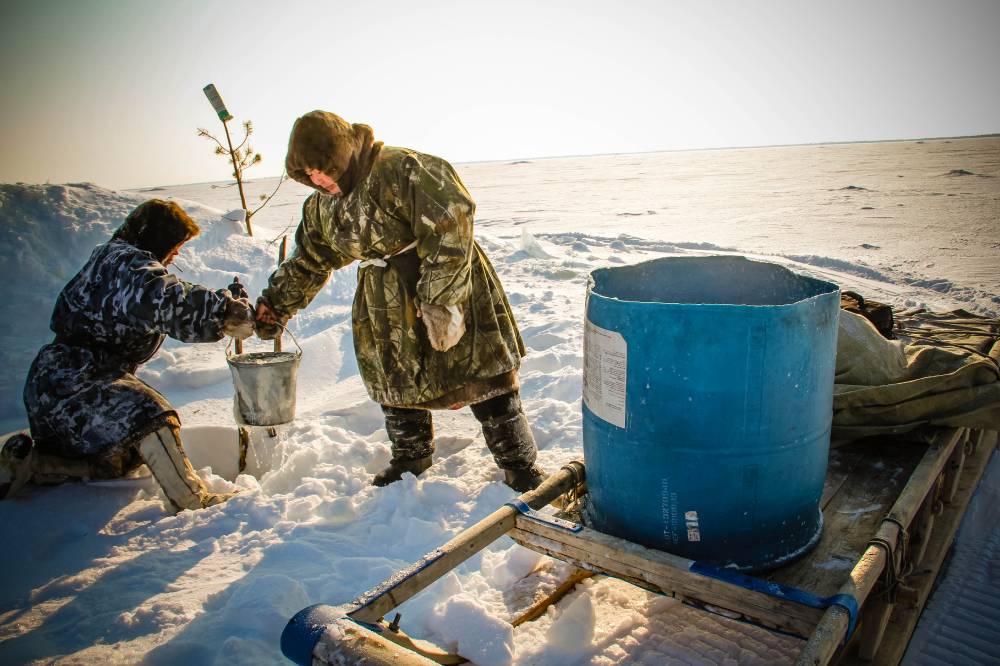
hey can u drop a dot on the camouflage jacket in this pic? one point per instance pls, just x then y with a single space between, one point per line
81 395
408 197
124 303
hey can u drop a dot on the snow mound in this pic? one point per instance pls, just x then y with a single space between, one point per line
852 267
47 232
474 633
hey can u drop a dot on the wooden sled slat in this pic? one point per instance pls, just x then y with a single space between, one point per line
371 606
661 572
832 628
918 585
852 515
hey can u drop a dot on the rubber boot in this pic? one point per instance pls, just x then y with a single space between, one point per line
15 464
524 479
163 453
397 468
411 432
509 438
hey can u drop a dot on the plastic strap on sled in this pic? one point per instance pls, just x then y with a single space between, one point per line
779 591
539 517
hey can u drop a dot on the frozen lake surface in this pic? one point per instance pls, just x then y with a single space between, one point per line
99 571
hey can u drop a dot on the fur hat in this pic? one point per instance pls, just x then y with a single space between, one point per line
157 226
325 141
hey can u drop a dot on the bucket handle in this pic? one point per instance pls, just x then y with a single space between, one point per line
283 328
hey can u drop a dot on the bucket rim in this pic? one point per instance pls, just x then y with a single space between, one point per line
242 359
229 345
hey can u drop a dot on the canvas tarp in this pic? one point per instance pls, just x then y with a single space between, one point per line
943 371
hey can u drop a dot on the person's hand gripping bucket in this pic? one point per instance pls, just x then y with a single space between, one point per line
264 380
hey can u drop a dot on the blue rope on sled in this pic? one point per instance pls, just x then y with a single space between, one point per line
779 591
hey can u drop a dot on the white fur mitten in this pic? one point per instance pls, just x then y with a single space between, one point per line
445 324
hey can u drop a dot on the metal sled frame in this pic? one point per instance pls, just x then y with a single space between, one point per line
865 614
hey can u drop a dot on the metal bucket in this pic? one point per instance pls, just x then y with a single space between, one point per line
265 385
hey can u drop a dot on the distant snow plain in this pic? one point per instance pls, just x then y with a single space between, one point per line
100 572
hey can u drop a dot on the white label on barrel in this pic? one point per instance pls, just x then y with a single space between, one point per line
691 519
605 356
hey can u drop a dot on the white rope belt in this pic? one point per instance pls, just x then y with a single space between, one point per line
382 262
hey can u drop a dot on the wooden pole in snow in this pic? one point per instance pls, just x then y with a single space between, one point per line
239 178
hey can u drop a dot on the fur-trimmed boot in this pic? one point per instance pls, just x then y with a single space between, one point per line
163 453
509 438
411 432
15 464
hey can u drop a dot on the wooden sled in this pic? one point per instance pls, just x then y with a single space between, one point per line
892 529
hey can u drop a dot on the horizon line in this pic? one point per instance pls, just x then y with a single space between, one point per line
606 154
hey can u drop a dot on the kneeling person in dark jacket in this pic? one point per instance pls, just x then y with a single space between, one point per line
90 416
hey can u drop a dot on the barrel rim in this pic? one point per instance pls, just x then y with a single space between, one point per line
719 306
826 288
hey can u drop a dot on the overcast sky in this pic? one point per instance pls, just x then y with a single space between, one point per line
110 91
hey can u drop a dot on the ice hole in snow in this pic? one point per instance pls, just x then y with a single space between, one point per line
218 447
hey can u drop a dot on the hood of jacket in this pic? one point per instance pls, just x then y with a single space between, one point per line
157 226
324 141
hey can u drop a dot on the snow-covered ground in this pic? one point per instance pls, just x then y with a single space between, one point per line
100 571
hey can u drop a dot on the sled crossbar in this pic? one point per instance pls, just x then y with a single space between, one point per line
373 605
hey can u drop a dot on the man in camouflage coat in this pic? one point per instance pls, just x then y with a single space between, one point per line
432 325
90 416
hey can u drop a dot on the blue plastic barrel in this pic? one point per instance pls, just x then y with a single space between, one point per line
708 392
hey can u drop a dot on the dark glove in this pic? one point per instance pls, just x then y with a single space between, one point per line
267 320
238 322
